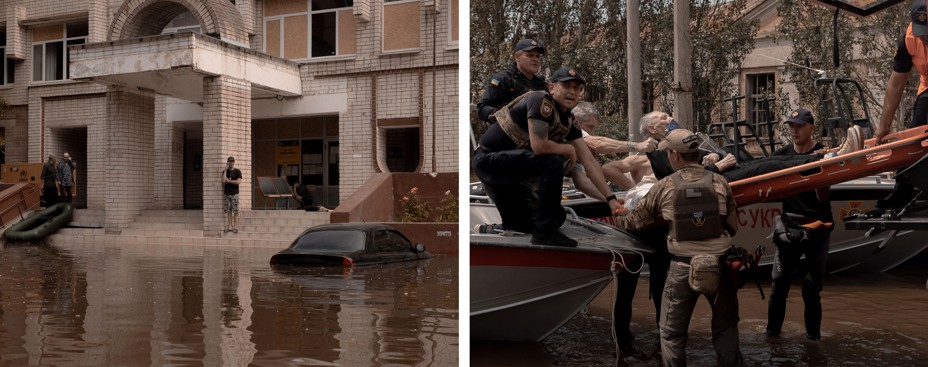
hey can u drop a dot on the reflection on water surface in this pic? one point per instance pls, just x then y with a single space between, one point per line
180 305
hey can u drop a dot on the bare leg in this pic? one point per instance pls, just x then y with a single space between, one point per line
585 185
617 176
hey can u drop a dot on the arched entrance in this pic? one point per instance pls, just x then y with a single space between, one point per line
141 18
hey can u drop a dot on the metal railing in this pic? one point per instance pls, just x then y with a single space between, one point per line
19 200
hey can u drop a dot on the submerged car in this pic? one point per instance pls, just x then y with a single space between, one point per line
350 244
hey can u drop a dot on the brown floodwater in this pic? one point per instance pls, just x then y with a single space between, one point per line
869 320
96 305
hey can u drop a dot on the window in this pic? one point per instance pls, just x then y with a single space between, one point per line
453 22
49 49
400 25
760 87
390 241
185 22
325 29
6 65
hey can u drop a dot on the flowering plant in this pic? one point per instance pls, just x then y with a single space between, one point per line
414 208
447 208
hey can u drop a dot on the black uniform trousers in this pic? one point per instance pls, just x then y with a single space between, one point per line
509 178
626 284
785 263
919 118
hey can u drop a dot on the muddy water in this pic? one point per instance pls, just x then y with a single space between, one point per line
869 320
175 305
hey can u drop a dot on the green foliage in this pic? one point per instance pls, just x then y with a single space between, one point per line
415 209
4 106
447 208
866 48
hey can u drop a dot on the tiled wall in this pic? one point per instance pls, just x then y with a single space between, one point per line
130 174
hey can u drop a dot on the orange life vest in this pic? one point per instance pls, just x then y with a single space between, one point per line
919 52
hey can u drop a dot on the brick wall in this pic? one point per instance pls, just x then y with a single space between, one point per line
16 130
130 175
168 160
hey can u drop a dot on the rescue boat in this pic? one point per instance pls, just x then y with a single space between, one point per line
524 292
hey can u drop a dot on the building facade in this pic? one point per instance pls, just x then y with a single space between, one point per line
151 96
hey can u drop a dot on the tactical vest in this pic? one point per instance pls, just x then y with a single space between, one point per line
919 52
556 130
696 209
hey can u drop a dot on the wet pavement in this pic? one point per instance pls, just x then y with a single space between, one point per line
869 320
95 305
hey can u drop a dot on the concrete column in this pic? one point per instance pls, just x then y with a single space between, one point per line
130 175
98 21
226 132
15 43
169 166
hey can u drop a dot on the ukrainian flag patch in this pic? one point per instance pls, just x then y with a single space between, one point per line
494 82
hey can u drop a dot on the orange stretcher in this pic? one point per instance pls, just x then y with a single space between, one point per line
899 150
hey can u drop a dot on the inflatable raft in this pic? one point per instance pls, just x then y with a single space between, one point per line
41 223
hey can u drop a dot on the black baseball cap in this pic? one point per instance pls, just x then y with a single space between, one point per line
567 73
231 159
801 116
919 18
528 45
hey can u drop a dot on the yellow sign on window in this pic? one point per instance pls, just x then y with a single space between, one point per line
288 155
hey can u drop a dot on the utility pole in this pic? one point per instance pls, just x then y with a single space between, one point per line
633 61
682 65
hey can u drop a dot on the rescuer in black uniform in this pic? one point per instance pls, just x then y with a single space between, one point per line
509 83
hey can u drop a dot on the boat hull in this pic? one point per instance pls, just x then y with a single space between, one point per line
524 292
849 250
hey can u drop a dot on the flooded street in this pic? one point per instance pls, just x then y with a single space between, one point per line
178 305
869 320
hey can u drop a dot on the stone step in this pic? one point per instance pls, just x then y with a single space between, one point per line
163 232
98 237
166 219
171 213
284 214
165 226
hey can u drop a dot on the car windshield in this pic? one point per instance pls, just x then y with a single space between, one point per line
338 241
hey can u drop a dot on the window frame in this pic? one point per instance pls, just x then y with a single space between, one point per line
63 58
752 92
280 18
383 23
452 14
6 68
309 31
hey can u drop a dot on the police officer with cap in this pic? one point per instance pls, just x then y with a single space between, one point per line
702 215
521 77
534 138
806 208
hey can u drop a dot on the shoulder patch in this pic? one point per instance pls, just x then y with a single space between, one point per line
547 108
494 82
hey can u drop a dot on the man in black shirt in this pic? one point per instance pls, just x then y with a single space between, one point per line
807 207
521 77
231 179
534 138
